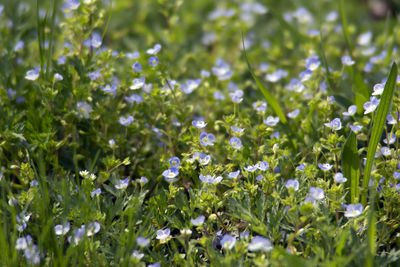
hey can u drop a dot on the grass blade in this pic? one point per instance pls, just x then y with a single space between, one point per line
371 232
380 118
361 92
268 96
345 27
351 166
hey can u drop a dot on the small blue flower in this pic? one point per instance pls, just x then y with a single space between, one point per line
335 124
198 221
271 121
134 99
222 70
154 50
200 124
153 61
218 96
260 107
317 193
204 159
312 62
208 179
251 168
378 88
371 105
237 129
237 96
301 167
276 76
292 183
339 178
351 111
122 184
95 192
170 174
294 113
207 139
355 128
142 241
137 83
137 67
325 166
33 74
126 121
354 210
190 85
93 41
235 142
174 162
262 165
228 242
305 75
163 234
233 175
348 61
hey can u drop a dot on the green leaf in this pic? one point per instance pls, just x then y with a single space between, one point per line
345 26
371 232
268 96
361 92
380 118
351 166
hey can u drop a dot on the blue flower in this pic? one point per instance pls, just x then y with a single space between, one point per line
233 175
122 184
125 121
271 121
137 67
190 85
207 139
312 62
276 76
198 221
335 124
262 165
339 178
142 241
210 179
305 75
294 113
228 241
355 128
134 99
204 159
260 107
251 168
237 129
174 162
317 193
237 96
325 166
348 61
292 183
200 124
378 88
153 61
137 83
260 243
235 142
218 96
154 50
94 41
163 234
170 174
354 210
371 105
351 111
95 192
222 70
33 74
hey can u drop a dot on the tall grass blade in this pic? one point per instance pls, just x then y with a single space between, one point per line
345 26
361 92
268 96
351 166
380 118
371 232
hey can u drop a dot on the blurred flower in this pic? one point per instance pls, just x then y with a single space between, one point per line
317 193
339 178
351 111
235 142
353 210
198 221
207 139
32 74
348 61
125 121
210 179
142 241
228 241
153 61
122 184
260 243
292 183
163 234
371 105
154 50
199 124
